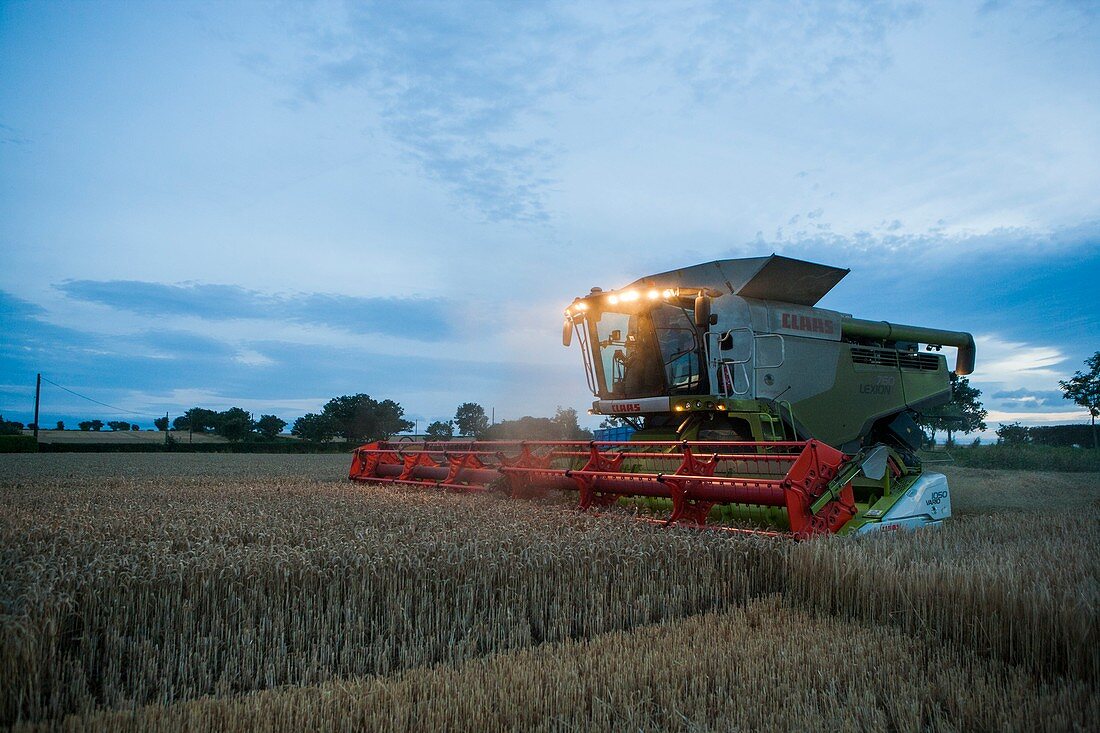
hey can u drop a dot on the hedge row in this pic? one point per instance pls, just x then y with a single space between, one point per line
1029 458
18 444
280 447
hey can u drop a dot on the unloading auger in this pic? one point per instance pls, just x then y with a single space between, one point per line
753 410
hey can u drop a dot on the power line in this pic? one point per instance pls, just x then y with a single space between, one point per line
85 397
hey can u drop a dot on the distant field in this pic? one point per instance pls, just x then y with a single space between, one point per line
1021 458
121 436
320 467
979 490
206 592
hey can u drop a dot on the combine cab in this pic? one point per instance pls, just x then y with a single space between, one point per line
751 408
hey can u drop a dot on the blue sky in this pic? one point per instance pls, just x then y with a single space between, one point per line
267 205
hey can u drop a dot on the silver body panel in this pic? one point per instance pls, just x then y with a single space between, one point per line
776 349
927 502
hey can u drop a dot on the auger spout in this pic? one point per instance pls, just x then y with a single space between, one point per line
886 331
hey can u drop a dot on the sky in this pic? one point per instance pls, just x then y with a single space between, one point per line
271 204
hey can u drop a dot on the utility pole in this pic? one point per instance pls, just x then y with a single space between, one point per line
37 399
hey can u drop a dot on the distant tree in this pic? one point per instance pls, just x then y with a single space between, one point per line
85 425
135 426
234 424
161 423
97 425
117 425
1084 389
470 420
524 428
359 418
440 431
1012 434
269 425
200 420
563 426
966 397
612 422
566 419
390 420
964 413
60 425
314 428
1072 435
10 427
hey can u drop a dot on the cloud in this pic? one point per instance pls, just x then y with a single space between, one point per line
449 84
250 357
934 245
1029 398
414 318
1016 363
474 92
13 307
11 136
173 344
802 48
157 370
1028 418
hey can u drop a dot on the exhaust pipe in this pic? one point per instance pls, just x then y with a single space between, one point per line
964 342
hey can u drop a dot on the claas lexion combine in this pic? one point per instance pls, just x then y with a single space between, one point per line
754 410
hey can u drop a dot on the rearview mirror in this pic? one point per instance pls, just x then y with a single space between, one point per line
702 311
567 333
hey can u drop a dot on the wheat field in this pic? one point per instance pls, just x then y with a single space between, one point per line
224 592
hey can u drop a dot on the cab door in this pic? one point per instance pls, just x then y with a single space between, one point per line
731 350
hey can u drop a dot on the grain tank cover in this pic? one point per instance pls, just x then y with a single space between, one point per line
768 278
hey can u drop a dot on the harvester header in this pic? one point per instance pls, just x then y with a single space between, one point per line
748 403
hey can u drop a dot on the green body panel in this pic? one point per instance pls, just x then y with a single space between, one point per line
864 393
876 501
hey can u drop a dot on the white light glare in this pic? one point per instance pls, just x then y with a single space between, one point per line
629 296
613 299
653 295
581 306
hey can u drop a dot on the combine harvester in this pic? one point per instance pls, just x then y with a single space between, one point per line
751 406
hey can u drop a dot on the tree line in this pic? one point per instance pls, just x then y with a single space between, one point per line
360 418
355 418
471 422
236 423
